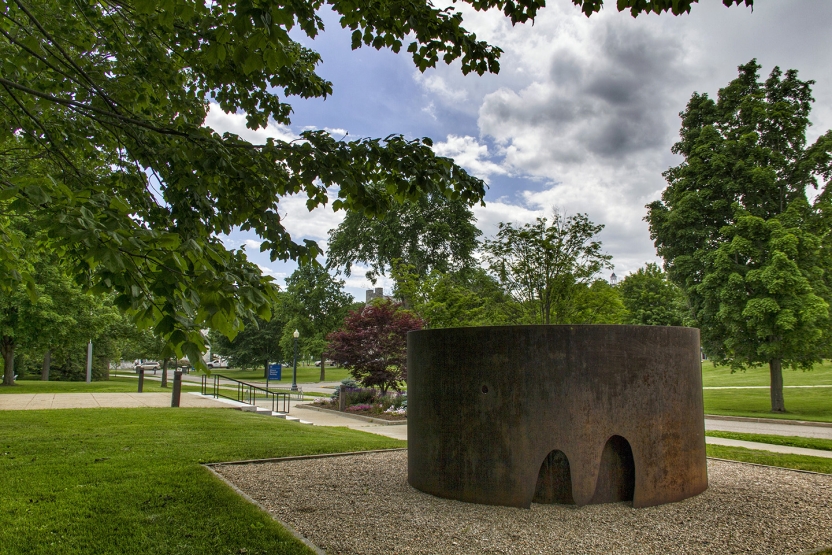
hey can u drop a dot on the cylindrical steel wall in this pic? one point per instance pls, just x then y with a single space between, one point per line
486 406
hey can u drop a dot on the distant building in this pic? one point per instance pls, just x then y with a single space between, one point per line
378 293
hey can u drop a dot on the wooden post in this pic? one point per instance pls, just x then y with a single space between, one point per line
177 388
342 398
141 379
47 363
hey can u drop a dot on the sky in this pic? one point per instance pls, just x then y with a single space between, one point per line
581 117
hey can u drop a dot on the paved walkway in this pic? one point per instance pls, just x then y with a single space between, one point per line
761 386
37 401
777 428
768 447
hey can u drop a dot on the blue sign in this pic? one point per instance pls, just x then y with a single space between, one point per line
275 371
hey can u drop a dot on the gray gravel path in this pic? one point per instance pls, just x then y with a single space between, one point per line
362 504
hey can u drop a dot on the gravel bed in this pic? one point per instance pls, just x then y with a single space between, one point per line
363 504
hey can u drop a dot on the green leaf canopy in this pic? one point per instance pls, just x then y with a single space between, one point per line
737 231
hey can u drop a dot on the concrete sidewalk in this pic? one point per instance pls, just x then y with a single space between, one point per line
38 401
819 430
769 447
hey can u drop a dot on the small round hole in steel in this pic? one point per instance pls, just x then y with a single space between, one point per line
485 389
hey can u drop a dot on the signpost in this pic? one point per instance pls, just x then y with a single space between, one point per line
275 373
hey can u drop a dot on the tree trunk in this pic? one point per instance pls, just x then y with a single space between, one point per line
323 371
47 365
106 363
776 371
266 370
7 349
165 372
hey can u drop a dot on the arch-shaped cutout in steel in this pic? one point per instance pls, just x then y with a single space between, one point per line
554 481
616 474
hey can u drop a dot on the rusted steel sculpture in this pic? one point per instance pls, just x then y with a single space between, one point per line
556 414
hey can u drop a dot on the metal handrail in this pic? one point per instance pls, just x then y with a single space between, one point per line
247 393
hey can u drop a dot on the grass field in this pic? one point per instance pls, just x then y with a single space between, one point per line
113 385
306 374
801 404
797 462
129 480
721 376
791 441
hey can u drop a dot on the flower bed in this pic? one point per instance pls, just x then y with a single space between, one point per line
369 402
372 411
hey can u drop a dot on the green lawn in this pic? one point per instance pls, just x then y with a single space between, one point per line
721 376
306 374
791 441
801 404
113 385
129 480
798 462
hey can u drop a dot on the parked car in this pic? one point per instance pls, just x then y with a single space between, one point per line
328 363
147 365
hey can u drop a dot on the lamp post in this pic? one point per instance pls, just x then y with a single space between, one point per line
295 363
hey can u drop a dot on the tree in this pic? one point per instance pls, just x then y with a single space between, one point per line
257 344
652 299
737 232
372 344
469 298
540 264
597 303
102 107
432 233
315 304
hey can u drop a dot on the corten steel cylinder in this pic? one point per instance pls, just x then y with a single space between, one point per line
556 414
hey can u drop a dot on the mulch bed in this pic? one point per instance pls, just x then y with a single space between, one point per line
380 416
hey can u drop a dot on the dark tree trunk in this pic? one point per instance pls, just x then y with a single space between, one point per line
266 370
106 363
7 349
165 372
776 370
323 370
47 365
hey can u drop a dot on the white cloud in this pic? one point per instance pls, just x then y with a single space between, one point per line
470 154
252 245
357 283
436 84
270 272
336 132
589 106
314 225
221 122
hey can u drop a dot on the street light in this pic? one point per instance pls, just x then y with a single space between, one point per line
295 364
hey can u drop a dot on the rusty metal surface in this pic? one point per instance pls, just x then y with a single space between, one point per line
487 407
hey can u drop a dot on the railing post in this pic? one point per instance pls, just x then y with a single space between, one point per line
141 379
177 388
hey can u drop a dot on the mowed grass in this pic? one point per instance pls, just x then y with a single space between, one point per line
790 441
721 376
129 480
306 374
797 462
113 385
801 404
